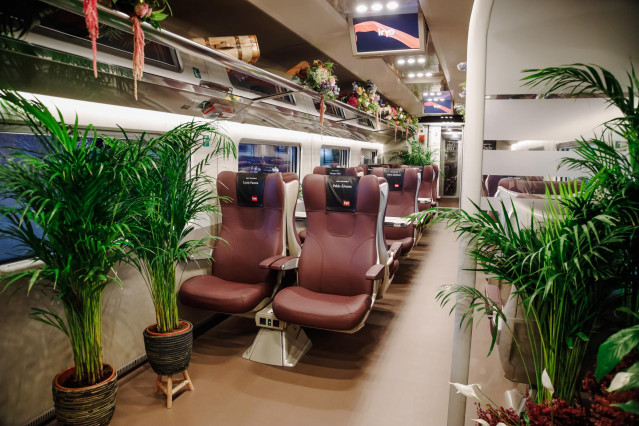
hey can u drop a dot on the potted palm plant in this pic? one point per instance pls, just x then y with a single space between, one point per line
176 193
72 212
580 264
418 154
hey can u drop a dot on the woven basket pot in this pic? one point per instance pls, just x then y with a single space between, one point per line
169 353
91 405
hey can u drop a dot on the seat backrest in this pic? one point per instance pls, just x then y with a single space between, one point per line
335 171
340 246
250 233
402 200
291 189
426 185
435 182
364 168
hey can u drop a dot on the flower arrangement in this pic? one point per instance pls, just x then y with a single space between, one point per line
364 97
139 11
400 118
319 77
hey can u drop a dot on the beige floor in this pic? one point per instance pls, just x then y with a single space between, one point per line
394 371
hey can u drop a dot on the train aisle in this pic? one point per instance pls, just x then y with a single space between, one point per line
393 371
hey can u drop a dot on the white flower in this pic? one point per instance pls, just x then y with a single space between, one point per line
545 380
467 390
482 422
620 380
501 424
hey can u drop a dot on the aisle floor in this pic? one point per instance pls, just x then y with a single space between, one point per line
394 371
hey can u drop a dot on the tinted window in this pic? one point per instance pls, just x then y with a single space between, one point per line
263 158
10 249
334 157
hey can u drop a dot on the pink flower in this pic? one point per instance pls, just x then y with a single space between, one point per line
352 101
332 81
143 10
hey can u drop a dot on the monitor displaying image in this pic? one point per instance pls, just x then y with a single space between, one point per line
384 34
438 103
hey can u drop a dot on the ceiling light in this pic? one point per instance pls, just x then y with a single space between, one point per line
487 96
439 93
421 60
401 61
429 74
420 74
425 93
411 75
411 60
377 7
431 94
361 8
392 5
430 99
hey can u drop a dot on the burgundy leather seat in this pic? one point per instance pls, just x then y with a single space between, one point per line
436 196
237 284
401 203
335 287
364 168
426 189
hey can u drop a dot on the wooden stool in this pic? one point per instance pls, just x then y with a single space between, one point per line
170 390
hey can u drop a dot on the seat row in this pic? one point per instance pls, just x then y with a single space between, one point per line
345 262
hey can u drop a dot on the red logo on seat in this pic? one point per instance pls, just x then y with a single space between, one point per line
253 198
396 185
347 203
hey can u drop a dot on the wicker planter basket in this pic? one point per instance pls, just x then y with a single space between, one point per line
91 405
169 353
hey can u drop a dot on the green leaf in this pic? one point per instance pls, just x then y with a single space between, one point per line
612 351
631 406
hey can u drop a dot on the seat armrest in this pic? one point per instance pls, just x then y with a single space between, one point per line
375 272
395 250
424 200
280 263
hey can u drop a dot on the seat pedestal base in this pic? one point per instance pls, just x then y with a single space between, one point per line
283 348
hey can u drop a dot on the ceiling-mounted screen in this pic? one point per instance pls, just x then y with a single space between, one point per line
387 34
438 103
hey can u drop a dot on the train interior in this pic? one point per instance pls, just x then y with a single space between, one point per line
322 303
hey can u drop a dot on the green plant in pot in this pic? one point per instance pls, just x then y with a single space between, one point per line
175 193
73 213
418 154
578 265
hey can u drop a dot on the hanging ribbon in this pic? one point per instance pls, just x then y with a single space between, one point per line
322 110
138 54
90 9
395 122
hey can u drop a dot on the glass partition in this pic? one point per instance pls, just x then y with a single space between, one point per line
334 157
266 158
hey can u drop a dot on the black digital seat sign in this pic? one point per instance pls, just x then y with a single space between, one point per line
387 33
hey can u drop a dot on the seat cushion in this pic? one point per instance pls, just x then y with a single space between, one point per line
407 243
298 305
215 294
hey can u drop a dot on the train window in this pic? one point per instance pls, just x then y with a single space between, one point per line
66 25
10 249
368 156
259 87
330 109
334 157
264 158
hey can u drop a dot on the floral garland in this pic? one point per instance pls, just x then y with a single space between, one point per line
364 97
400 118
139 11
320 78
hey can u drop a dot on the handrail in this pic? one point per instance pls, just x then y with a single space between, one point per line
115 18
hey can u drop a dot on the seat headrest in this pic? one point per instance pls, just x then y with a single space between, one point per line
335 171
428 173
241 188
405 178
289 177
366 188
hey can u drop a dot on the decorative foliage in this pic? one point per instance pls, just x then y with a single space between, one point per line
174 193
319 78
417 154
400 118
582 260
139 11
364 97
77 194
